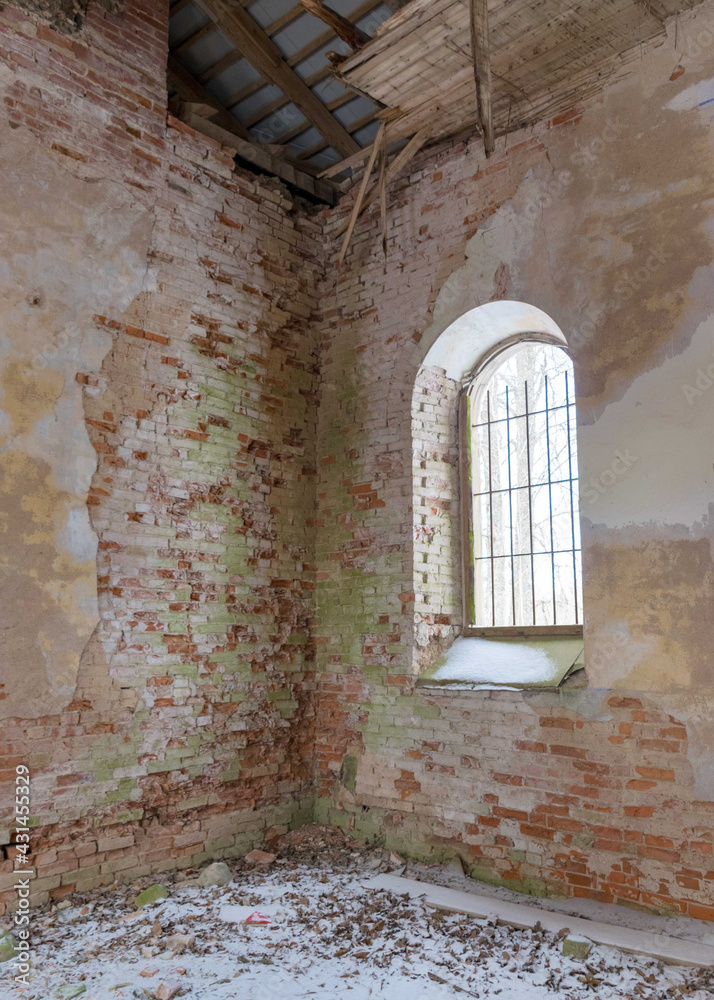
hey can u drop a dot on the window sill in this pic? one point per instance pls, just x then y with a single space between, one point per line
523 631
510 662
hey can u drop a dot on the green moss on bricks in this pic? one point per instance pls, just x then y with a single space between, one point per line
528 886
128 817
427 711
349 772
232 772
123 790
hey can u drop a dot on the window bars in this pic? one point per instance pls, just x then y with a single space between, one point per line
527 551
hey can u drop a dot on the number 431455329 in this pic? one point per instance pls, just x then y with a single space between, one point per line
22 813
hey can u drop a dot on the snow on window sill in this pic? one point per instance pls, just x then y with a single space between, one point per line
506 663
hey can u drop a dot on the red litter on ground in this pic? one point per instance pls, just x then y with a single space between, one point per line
259 918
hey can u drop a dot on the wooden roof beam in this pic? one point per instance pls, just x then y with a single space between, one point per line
189 89
256 85
344 29
261 51
275 105
304 53
233 57
178 6
261 157
481 53
317 43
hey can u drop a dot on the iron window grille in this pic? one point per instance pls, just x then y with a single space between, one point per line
523 563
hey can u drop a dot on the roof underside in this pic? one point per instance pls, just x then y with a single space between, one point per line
264 70
203 45
545 55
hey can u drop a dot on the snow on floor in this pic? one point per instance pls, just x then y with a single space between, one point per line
452 877
330 937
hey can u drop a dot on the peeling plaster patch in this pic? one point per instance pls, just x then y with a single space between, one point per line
503 238
700 750
658 424
697 95
590 703
51 224
76 537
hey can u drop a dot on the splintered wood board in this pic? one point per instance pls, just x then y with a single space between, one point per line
676 951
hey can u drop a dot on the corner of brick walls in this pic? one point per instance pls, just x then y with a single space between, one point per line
270 576
582 792
191 729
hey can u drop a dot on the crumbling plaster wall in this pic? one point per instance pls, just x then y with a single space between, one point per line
170 312
158 374
602 219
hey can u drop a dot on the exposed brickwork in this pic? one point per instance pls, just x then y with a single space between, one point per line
276 500
182 737
581 792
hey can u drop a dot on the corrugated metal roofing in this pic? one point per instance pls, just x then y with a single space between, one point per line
267 112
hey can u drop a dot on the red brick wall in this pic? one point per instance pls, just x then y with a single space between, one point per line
190 725
596 791
259 442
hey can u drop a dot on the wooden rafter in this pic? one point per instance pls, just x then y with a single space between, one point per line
285 137
303 126
317 43
481 52
249 38
185 43
304 53
230 58
256 85
189 89
260 156
225 62
178 7
344 29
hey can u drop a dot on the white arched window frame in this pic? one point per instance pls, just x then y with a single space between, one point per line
521 532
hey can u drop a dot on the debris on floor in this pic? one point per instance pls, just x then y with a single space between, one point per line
216 874
577 946
306 926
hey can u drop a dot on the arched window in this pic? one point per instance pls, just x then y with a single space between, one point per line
523 563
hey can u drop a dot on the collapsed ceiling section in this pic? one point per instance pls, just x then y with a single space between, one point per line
301 88
262 71
545 56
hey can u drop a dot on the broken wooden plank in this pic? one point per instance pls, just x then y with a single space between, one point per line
261 157
349 161
248 37
344 29
383 190
399 161
360 194
481 52
677 951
